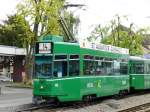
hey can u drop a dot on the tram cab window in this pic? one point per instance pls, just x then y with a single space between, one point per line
47 68
44 69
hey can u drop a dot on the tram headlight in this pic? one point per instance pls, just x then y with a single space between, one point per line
41 87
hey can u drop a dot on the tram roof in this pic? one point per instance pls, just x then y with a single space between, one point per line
137 58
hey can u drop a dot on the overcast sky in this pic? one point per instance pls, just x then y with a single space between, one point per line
102 11
7 7
98 12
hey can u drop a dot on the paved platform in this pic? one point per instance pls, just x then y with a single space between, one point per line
11 97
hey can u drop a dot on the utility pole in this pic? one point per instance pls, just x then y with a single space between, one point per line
69 34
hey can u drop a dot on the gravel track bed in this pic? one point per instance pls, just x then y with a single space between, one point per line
107 104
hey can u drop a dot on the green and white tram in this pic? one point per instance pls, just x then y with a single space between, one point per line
72 72
139 73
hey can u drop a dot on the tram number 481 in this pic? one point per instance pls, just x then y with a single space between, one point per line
90 85
97 84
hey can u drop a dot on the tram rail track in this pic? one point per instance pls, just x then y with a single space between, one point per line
78 105
139 108
35 107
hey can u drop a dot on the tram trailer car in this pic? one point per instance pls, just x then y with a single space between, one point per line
70 72
139 73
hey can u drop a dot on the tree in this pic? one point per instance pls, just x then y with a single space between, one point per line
98 33
14 31
42 16
72 24
121 36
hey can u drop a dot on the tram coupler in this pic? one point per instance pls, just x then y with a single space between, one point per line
37 100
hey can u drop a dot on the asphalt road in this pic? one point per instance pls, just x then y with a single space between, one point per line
14 96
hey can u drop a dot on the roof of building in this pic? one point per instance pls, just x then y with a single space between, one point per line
11 50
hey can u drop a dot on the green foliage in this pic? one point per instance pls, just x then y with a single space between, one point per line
14 31
98 32
118 35
44 13
72 22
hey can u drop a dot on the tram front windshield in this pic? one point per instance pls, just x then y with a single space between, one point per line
43 70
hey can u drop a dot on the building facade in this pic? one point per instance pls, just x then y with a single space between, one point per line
12 62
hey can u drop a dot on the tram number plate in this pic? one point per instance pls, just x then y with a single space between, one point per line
90 85
44 47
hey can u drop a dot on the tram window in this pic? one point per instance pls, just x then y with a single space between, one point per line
148 68
116 67
103 68
88 57
123 68
98 68
108 59
101 58
74 67
60 57
138 68
97 58
60 68
44 69
37 68
74 56
124 60
37 48
107 68
89 68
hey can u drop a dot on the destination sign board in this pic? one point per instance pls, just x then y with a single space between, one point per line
44 47
103 47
